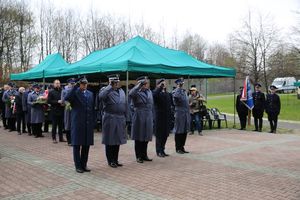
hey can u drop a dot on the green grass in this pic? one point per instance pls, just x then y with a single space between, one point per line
290 105
265 129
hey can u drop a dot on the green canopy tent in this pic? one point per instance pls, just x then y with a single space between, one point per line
52 61
138 56
132 58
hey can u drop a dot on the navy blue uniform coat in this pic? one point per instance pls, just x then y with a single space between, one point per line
82 116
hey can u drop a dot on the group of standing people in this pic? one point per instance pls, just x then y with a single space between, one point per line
25 110
269 103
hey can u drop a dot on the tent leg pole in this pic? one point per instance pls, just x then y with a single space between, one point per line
127 81
206 89
44 80
188 82
127 94
234 96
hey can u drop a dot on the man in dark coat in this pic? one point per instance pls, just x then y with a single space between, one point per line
27 109
8 98
182 116
242 110
142 119
82 123
273 108
113 120
2 106
57 111
163 111
37 110
68 108
259 101
20 114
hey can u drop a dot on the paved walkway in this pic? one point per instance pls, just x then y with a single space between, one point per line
223 164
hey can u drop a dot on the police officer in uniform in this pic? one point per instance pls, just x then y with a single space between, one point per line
142 119
113 120
82 123
9 114
242 110
67 110
182 116
259 101
2 106
37 111
163 111
27 109
273 108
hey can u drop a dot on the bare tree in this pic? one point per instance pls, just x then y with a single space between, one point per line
194 45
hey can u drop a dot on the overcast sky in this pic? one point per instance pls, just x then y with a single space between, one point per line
212 19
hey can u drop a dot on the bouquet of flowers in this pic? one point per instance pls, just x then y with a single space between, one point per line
13 104
42 99
68 106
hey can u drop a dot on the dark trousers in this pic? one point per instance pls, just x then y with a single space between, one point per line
29 127
37 129
112 153
57 123
80 155
180 141
196 122
243 120
46 126
68 136
140 148
4 120
11 123
273 122
21 121
258 122
160 142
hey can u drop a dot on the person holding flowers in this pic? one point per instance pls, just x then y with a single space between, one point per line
36 99
9 100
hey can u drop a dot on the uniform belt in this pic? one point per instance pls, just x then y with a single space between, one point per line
110 113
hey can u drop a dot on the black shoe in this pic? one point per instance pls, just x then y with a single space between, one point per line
24 131
255 130
184 151
179 151
54 141
271 132
147 159
139 160
29 134
19 133
200 133
36 136
191 133
10 130
79 170
113 165
41 136
161 155
85 169
165 154
119 164
62 140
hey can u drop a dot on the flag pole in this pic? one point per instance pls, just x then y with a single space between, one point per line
234 97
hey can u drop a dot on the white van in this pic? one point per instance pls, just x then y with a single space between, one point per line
297 84
285 84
